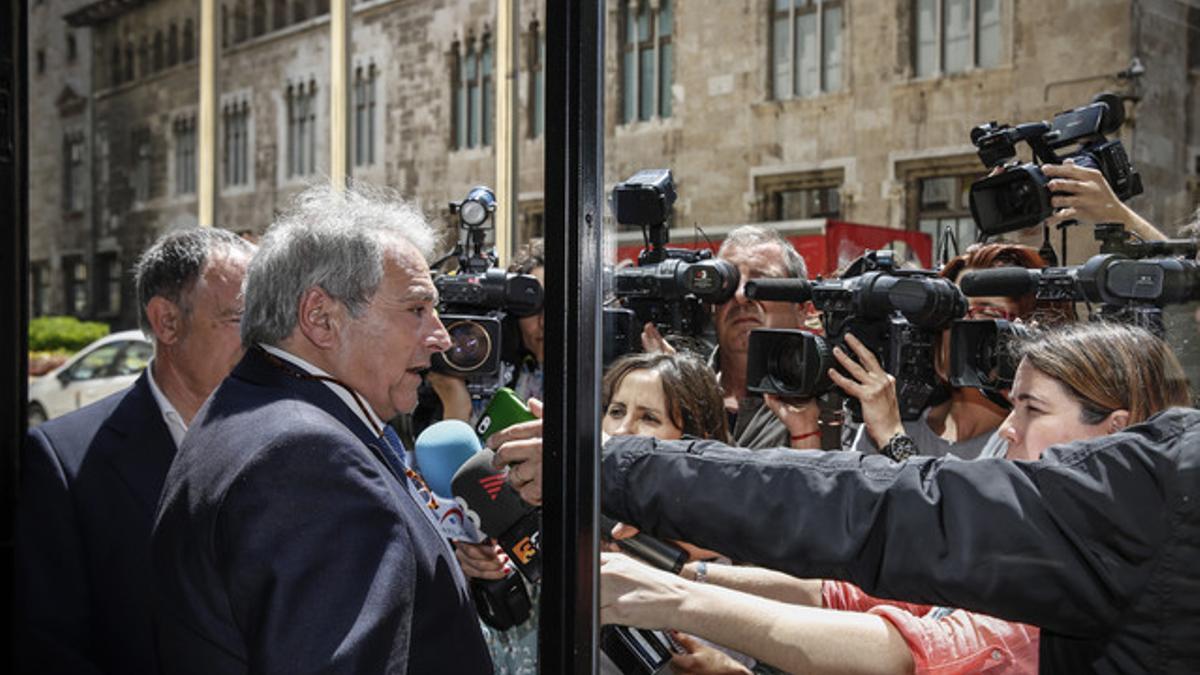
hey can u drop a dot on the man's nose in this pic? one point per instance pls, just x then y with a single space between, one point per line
439 338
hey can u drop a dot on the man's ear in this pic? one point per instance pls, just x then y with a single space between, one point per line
319 318
166 320
1116 421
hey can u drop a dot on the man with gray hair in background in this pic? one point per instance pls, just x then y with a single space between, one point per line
758 253
90 479
292 536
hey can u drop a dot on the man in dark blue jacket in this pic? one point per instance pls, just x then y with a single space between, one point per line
292 536
90 480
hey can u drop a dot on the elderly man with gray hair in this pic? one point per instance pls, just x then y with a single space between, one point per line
292 536
755 422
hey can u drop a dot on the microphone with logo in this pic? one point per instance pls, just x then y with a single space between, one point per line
441 450
501 512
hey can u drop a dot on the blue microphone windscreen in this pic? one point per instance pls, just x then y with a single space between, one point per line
441 449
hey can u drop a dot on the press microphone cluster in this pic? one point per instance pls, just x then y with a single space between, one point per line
453 462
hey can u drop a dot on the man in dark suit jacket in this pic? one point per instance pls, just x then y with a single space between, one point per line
90 480
292 537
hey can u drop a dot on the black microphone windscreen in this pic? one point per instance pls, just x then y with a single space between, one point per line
783 290
488 494
1000 281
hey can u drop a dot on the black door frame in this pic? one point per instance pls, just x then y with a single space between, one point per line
574 189
14 265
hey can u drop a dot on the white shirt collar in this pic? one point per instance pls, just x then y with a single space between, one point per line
370 419
174 421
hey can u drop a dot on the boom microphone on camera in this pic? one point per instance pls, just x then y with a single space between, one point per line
780 290
1008 282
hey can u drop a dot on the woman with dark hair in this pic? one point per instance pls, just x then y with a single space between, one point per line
667 396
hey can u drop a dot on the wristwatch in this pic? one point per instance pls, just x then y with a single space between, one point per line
899 448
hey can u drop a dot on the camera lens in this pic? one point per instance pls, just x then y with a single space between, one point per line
790 371
470 346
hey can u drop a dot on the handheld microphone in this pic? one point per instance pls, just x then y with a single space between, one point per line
501 513
782 290
1000 281
654 552
441 449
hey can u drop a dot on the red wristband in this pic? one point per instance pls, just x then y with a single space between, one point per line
804 436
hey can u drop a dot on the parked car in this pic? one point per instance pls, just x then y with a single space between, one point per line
107 365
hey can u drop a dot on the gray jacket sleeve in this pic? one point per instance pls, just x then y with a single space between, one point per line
1064 543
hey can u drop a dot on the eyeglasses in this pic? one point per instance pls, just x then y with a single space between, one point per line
989 312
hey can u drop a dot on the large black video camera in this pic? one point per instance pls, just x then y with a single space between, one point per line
895 313
1126 289
669 287
1018 197
474 301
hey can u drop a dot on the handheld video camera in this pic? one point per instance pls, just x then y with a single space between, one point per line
669 286
1018 197
474 301
1127 290
895 313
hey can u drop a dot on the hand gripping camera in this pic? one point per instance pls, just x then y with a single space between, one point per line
1018 197
474 301
895 313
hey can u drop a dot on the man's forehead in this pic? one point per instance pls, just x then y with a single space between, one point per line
761 256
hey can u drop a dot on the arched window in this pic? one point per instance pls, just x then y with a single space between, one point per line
115 66
471 76
241 23
487 89
474 98
129 75
258 17
189 41
160 51
173 45
299 11
279 17
144 56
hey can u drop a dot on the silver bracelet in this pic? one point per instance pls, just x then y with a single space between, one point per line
701 572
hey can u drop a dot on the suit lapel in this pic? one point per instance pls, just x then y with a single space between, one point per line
135 441
257 368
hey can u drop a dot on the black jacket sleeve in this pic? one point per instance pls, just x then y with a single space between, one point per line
1064 543
53 599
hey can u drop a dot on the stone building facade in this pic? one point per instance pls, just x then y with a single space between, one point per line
766 110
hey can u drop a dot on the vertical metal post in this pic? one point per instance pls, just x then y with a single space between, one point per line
206 177
574 208
507 66
14 265
340 167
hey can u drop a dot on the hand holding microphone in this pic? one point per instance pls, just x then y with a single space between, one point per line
519 447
